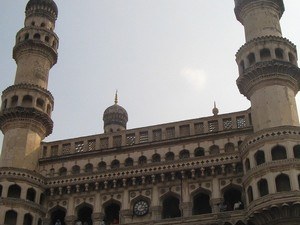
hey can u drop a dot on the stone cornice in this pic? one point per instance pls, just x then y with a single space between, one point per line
271 134
269 167
21 117
269 73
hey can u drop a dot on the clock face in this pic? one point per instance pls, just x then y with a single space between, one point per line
141 208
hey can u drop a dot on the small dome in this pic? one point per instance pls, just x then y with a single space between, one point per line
46 3
115 117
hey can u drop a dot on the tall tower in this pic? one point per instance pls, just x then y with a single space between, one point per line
25 117
269 77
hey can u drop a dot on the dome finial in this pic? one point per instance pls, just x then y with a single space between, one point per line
215 110
116 97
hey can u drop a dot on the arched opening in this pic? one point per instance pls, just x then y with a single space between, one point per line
11 217
142 160
40 221
49 109
47 39
279 53
184 154
169 156
62 171
251 58
31 193
4 106
214 150
112 212
115 164
14 191
26 36
171 207
0 191
101 166
76 169
229 147
40 103
263 187
128 162
247 164
54 44
14 101
88 168
296 150
259 157
282 183
43 24
201 204
250 194
58 215
292 58
37 36
27 219
240 223
84 215
299 180
27 101
156 158
199 152
265 54
242 66
278 153
227 223
232 197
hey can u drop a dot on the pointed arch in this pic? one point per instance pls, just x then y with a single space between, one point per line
57 213
232 194
111 210
170 205
84 213
201 201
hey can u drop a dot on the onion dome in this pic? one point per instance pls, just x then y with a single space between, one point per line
215 110
42 6
115 118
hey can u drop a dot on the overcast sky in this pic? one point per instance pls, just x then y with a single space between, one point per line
169 59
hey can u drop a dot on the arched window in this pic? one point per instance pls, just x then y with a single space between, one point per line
242 66
62 171
247 164
47 39
171 208
85 215
10 217
27 101
40 221
49 109
54 44
27 219
292 58
214 150
115 164
265 54
88 168
232 196
201 204
37 36
101 166
184 154
76 169
169 156
279 53
259 157
199 152
14 191
251 58
297 151
229 147
129 162
282 183
4 104
58 214
278 152
40 103
26 36
156 158
112 212
263 187
142 160
250 194
31 193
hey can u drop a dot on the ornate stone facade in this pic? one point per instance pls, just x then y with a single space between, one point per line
240 168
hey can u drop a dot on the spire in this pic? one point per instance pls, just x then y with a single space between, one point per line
116 97
215 110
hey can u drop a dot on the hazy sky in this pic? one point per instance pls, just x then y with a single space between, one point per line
169 59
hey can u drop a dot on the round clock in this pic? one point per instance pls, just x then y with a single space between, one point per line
141 208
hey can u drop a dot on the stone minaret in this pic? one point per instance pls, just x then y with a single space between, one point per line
25 117
269 77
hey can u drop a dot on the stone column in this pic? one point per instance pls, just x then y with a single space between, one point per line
97 218
214 203
186 208
156 212
46 221
126 216
70 220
